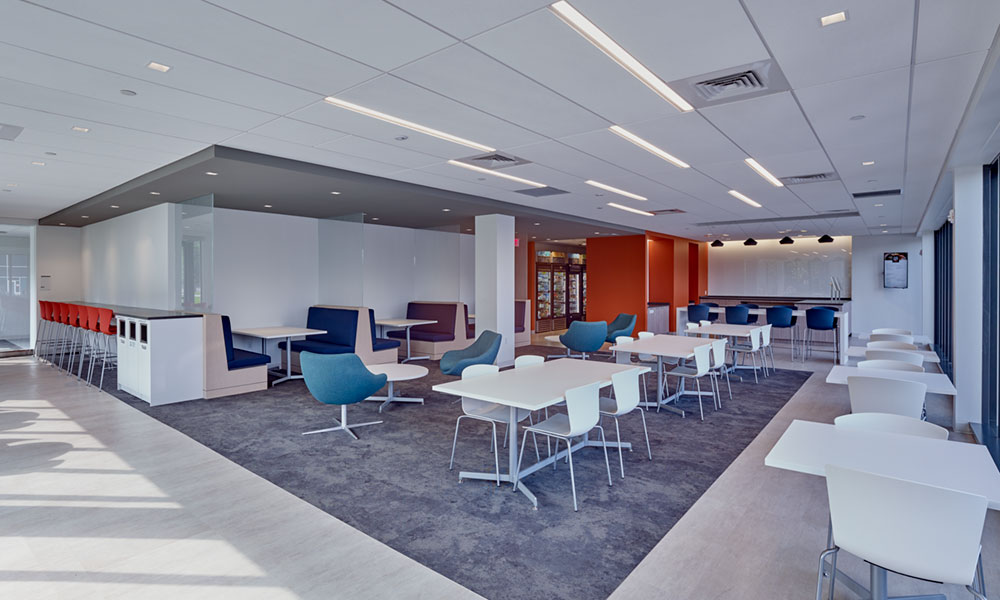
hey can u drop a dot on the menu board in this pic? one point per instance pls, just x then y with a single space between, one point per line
895 270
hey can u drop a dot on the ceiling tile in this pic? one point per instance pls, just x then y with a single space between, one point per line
764 125
689 137
378 151
297 132
945 28
824 196
454 16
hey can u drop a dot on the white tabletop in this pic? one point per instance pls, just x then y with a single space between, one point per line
807 447
553 338
398 372
402 322
930 356
721 310
537 386
670 346
273 333
937 383
726 329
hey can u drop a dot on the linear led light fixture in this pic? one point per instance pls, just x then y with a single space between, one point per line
595 36
615 190
638 141
740 196
763 172
407 124
158 67
833 19
630 209
479 169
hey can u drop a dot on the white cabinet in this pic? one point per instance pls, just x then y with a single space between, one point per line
160 360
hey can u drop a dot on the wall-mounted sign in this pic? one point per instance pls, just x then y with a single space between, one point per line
895 271
45 283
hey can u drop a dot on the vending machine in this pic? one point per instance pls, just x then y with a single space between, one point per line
550 291
576 273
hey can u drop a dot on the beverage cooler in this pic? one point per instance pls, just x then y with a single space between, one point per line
576 280
560 290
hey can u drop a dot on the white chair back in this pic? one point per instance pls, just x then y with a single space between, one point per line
755 335
911 528
765 335
892 331
719 352
892 345
890 337
626 386
702 359
528 360
623 358
582 407
886 423
880 395
471 404
691 326
704 323
646 357
892 365
898 355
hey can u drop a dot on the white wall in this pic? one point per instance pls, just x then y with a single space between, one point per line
341 263
801 269
876 306
58 256
968 295
128 260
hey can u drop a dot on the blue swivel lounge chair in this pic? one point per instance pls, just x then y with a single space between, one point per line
339 379
622 325
738 315
482 352
583 337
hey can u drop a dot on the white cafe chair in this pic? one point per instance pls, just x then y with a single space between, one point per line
689 327
898 355
881 395
913 529
719 368
890 337
891 330
892 365
765 346
702 365
889 345
582 415
887 423
625 358
626 400
751 350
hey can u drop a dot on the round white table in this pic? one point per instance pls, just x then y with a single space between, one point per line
396 372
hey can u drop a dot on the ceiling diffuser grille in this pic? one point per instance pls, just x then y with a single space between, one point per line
810 178
729 85
878 193
739 82
667 211
9 132
495 160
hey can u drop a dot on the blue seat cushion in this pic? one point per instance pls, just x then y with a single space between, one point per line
384 344
245 358
341 326
518 328
424 336
318 347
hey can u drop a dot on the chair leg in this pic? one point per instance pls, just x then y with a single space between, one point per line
819 577
520 455
572 477
753 357
618 437
454 442
697 382
496 455
729 385
649 450
604 444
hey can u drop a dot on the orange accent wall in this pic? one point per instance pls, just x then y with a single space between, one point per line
617 275
678 271
661 268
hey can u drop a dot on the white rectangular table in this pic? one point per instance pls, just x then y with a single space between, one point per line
937 383
807 447
532 388
858 352
404 324
277 333
664 346
728 330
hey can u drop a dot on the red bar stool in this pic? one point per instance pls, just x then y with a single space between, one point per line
74 334
110 334
93 337
43 321
62 328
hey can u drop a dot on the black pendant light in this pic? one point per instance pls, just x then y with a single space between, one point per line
717 244
786 240
750 242
825 239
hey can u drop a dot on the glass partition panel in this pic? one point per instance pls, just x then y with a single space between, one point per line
15 290
342 260
194 279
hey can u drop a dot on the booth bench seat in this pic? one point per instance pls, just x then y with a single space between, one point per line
349 330
449 332
229 370
522 337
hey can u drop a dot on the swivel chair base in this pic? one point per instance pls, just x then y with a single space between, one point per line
343 425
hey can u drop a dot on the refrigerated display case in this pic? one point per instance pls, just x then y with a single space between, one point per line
543 297
576 301
560 289
559 297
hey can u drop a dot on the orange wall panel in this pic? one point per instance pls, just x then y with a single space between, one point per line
661 269
616 278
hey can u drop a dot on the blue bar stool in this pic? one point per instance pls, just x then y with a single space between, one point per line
696 313
752 318
781 317
820 318
713 317
738 315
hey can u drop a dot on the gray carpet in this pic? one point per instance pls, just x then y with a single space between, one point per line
394 483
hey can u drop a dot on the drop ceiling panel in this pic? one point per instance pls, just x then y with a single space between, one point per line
678 39
454 16
886 173
689 137
740 177
469 76
375 33
945 29
542 47
77 144
700 186
217 34
378 151
567 159
297 132
263 145
824 196
877 37
764 125
612 148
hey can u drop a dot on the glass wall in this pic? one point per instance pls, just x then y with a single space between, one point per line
991 304
943 283
194 280
15 289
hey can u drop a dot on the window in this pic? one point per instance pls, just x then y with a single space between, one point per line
991 305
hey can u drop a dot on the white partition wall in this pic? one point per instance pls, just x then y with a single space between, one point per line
878 306
771 269
968 301
495 281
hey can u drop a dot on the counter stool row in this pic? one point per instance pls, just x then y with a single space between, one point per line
70 332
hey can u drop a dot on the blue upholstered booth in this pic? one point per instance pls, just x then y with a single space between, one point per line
519 313
236 358
623 324
441 331
341 327
482 352
377 342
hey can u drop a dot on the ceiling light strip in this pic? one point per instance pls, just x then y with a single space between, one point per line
638 141
615 190
479 169
630 209
756 166
595 36
740 196
407 124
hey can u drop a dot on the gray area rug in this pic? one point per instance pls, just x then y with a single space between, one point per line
394 483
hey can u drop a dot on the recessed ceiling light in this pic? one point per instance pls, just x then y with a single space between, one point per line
615 190
763 172
38 163
11 185
407 124
534 237
595 36
885 231
803 230
212 173
468 230
374 218
158 67
879 205
154 193
127 92
883 224
638 141
479 169
267 206
115 206
740 196
537 223
867 163
81 129
597 233
62 224
630 209
445 210
833 19
857 117
334 193
84 217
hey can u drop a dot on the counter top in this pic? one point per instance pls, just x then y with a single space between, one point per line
136 312
657 304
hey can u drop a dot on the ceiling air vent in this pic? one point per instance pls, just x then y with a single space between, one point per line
542 192
811 178
728 85
9 132
878 193
734 83
667 211
495 160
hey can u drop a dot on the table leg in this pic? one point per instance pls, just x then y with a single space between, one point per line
392 397
409 356
661 401
288 364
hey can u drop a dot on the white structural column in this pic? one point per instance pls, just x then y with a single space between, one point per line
927 279
968 295
495 281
